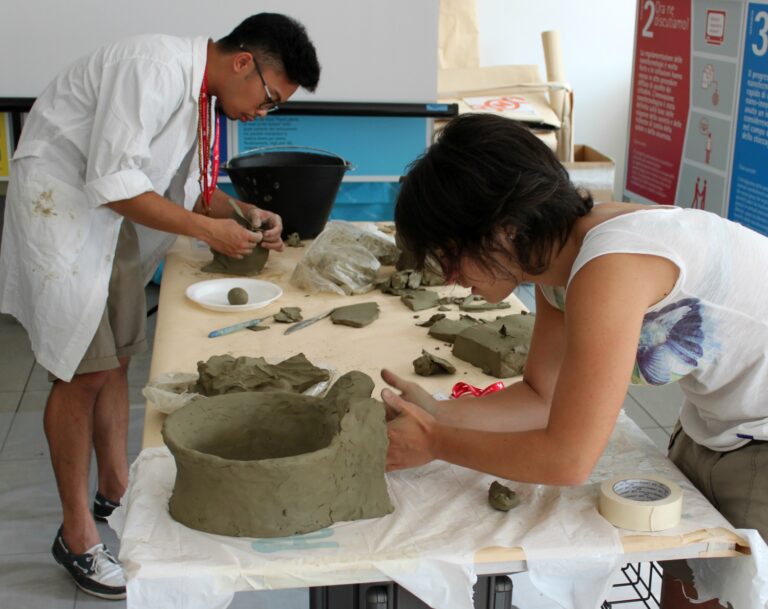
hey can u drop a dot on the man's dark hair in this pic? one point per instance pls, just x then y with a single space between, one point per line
485 181
279 40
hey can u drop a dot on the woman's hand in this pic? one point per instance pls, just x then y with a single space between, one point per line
412 433
410 392
271 225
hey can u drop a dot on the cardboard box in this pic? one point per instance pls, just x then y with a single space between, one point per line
594 171
515 92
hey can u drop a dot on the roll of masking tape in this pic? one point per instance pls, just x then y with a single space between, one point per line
641 503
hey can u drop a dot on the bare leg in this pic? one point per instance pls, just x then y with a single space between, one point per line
68 423
110 432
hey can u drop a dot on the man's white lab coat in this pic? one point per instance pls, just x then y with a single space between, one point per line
118 123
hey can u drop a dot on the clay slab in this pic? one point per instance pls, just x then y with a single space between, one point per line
356 315
223 374
499 348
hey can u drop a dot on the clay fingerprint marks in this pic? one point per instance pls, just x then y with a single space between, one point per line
356 315
428 364
223 374
499 348
277 464
44 205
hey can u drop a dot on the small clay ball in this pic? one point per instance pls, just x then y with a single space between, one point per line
237 296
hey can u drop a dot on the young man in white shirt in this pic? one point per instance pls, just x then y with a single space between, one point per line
122 137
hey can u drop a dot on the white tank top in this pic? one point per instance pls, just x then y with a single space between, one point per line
710 333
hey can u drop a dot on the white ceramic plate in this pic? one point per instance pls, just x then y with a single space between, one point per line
212 294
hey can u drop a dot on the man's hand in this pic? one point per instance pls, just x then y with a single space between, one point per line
271 225
228 237
412 433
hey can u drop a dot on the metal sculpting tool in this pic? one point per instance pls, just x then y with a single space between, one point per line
307 322
240 213
236 327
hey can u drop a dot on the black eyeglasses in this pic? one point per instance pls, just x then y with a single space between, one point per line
269 104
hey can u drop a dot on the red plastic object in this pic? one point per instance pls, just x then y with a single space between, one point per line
461 388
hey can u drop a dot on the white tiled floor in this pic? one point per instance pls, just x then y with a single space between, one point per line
29 507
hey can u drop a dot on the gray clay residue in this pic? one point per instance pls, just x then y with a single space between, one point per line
475 304
288 315
428 364
294 240
500 347
432 320
272 464
357 315
401 282
448 329
223 374
501 497
420 299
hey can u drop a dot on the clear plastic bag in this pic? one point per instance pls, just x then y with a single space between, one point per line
344 259
169 392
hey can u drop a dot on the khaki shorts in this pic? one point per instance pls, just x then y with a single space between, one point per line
122 329
735 482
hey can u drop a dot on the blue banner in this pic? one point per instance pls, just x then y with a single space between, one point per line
376 146
748 203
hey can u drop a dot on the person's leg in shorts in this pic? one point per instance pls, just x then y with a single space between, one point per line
91 411
734 482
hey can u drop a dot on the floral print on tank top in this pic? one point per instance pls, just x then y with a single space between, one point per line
675 340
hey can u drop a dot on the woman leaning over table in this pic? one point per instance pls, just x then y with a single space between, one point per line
625 293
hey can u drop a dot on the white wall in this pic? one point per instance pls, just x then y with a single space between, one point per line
369 50
597 39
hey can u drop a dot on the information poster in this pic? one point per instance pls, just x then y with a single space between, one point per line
698 134
749 186
661 85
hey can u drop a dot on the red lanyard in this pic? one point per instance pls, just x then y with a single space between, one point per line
207 185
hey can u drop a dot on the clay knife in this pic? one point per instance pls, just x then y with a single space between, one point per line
241 326
307 322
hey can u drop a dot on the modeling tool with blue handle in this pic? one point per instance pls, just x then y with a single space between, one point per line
236 327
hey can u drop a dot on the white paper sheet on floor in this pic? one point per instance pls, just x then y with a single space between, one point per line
427 544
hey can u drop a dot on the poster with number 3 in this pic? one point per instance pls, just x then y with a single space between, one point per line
698 130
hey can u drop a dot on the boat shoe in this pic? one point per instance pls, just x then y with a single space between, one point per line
95 571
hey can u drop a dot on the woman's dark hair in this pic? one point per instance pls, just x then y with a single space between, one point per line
484 178
278 39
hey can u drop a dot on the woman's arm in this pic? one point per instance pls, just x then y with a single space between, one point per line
606 303
520 406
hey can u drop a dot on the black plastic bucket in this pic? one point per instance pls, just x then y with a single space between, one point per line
301 186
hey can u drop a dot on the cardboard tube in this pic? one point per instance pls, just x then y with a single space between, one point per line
641 503
553 56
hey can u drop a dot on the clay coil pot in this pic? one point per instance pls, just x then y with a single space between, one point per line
270 464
